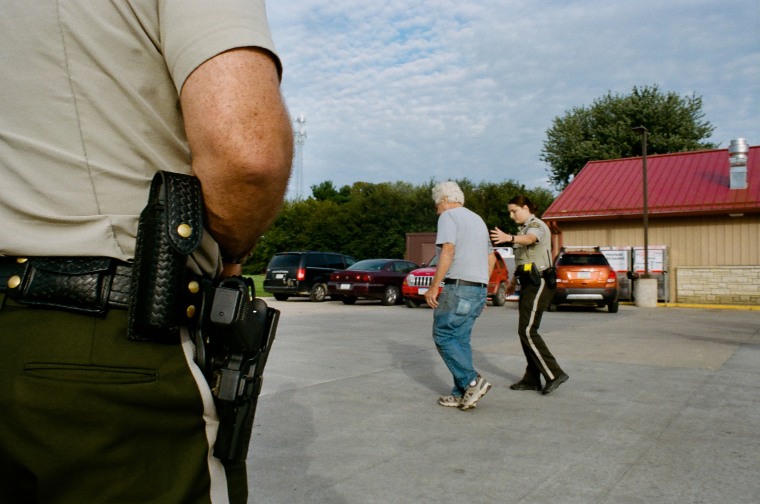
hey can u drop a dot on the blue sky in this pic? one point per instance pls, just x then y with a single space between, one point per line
415 90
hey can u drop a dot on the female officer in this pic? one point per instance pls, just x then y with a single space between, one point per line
533 261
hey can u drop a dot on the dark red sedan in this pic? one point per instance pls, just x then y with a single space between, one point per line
372 279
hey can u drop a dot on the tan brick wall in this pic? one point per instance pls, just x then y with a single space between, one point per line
738 285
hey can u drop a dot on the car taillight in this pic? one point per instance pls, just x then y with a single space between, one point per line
612 277
364 278
301 274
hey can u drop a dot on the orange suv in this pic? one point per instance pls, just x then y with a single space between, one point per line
585 277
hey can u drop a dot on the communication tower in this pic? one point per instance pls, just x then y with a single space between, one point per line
299 135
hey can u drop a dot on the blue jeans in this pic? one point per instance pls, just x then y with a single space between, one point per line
453 320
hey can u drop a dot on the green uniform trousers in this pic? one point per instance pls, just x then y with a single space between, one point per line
87 416
533 301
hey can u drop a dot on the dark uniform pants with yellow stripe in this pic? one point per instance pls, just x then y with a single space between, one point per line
533 301
87 416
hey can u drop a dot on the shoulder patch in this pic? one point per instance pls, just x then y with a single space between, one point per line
534 225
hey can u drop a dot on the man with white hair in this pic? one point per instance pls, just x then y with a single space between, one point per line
465 262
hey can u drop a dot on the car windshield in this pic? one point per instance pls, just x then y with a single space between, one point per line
582 260
369 265
433 261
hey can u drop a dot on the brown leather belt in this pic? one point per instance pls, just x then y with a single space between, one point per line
82 284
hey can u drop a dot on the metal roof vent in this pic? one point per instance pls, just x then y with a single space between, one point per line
737 159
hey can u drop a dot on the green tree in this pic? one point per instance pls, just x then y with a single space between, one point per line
490 201
326 191
603 130
368 220
378 216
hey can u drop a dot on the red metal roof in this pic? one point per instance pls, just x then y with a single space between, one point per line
685 183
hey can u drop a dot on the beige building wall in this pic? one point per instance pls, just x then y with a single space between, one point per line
694 243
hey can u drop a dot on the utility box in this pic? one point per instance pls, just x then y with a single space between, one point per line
658 268
621 261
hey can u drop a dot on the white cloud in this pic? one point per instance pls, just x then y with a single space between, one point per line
414 90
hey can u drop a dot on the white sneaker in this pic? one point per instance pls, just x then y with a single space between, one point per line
474 393
450 401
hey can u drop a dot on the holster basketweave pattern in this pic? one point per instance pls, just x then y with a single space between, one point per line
170 229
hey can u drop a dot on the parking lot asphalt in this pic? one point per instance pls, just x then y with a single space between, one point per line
662 406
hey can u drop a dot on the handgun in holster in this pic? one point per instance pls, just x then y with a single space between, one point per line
233 339
528 274
233 331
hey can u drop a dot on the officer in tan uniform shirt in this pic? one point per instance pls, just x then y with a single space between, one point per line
96 97
533 261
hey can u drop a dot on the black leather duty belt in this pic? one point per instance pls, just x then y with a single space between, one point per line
88 285
464 283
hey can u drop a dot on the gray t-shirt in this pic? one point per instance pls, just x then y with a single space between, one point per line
472 244
89 94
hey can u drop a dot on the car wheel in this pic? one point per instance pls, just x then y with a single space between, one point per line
349 300
552 307
500 297
412 303
281 297
318 292
390 296
613 307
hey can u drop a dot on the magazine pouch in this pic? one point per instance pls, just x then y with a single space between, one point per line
169 230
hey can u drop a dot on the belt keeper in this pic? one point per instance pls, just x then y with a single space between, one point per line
78 284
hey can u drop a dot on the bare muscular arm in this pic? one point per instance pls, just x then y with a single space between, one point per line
241 141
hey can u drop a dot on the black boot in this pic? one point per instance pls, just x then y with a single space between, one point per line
527 383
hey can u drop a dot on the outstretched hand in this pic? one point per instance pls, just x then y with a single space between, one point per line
498 236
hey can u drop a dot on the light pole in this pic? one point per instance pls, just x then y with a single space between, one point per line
641 130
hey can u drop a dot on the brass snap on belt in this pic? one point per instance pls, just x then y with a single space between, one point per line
9 279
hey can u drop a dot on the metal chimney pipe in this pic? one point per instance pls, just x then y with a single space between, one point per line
737 159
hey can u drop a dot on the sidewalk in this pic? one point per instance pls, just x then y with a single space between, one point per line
662 406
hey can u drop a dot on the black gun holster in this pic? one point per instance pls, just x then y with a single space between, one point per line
233 337
527 274
233 330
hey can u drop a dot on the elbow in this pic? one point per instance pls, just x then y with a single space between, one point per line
269 166
259 160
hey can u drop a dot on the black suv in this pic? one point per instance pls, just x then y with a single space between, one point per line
303 273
